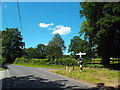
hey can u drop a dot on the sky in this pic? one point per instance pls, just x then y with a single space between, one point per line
41 20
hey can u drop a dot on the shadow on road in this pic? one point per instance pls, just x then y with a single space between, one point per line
31 82
5 65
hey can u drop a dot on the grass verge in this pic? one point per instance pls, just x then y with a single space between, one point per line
43 66
92 75
2 69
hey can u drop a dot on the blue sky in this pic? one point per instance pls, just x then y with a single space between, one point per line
41 20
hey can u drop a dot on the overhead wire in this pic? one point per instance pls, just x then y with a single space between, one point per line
19 14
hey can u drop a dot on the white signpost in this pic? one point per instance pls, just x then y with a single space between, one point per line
80 61
81 54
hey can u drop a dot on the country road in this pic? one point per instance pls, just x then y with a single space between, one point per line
32 77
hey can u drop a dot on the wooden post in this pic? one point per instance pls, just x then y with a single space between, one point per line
73 67
80 65
67 68
70 69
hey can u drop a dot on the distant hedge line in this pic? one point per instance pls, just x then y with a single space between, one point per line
62 61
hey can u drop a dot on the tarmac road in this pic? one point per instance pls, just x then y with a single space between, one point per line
31 77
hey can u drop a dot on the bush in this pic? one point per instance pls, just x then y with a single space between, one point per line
31 61
94 65
3 60
62 61
20 60
67 61
86 61
39 61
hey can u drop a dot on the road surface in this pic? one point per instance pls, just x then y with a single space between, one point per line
31 77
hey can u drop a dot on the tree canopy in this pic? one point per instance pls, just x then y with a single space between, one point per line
101 27
55 47
78 45
12 44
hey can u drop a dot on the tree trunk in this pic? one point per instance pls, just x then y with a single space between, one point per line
106 51
10 59
106 61
52 58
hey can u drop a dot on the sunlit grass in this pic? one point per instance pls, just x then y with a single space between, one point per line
43 66
2 69
93 75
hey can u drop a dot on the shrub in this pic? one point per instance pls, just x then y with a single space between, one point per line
3 60
94 65
21 60
31 61
39 61
67 61
86 61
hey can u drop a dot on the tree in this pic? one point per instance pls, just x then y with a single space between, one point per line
55 47
41 51
30 52
103 24
78 45
0 43
12 44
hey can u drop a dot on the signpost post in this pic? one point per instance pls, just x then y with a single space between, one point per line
80 59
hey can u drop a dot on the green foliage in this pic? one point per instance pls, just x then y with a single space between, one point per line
30 52
86 60
62 61
94 66
3 60
23 60
41 51
11 44
39 61
78 45
2 69
0 43
101 28
67 61
55 47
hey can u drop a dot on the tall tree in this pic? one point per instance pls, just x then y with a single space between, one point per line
78 45
12 44
30 52
103 22
55 47
41 51
0 43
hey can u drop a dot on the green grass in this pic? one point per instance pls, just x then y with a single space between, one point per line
93 75
2 69
43 66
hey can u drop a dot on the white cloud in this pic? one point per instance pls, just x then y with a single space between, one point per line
62 30
44 25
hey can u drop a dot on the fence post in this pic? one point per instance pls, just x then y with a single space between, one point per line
67 68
